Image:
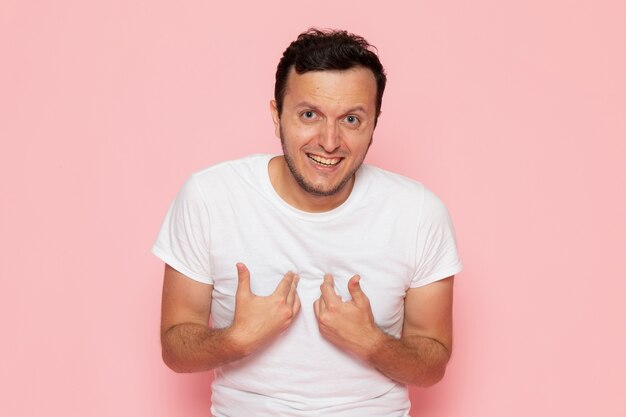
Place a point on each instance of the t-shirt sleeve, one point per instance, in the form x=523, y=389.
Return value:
x=437, y=257
x=183, y=241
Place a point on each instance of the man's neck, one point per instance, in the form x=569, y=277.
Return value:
x=293, y=194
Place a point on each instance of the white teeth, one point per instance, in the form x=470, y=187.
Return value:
x=324, y=161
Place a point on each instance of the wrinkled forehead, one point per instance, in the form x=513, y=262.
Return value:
x=351, y=87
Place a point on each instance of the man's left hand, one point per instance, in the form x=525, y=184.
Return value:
x=350, y=324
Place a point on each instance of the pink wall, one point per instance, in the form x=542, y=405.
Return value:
x=514, y=112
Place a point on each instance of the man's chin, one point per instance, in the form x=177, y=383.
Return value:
x=323, y=190
x=318, y=191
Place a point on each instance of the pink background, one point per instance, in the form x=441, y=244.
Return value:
x=513, y=112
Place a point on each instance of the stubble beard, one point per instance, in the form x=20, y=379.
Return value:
x=310, y=188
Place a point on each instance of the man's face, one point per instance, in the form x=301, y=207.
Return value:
x=326, y=128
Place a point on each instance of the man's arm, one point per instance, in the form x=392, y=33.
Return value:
x=190, y=345
x=419, y=356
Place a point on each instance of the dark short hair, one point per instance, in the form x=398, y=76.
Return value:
x=323, y=50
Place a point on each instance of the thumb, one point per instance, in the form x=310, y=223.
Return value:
x=243, y=279
x=329, y=280
x=354, y=287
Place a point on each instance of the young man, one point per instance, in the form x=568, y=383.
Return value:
x=328, y=282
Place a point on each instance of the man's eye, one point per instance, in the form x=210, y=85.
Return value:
x=352, y=120
x=308, y=115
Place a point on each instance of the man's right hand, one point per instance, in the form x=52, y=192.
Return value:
x=259, y=320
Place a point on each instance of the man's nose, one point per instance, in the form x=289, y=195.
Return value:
x=330, y=138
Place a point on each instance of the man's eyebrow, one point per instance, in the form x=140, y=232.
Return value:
x=307, y=105
x=355, y=109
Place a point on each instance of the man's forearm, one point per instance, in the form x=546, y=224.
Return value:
x=415, y=360
x=190, y=347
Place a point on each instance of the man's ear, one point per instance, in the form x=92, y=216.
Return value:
x=275, y=117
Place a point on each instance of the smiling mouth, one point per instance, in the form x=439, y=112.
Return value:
x=327, y=162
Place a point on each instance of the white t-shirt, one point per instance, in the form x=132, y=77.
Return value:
x=391, y=231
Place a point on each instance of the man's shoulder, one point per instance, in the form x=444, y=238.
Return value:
x=221, y=181
x=388, y=180
x=242, y=165
x=248, y=168
x=393, y=185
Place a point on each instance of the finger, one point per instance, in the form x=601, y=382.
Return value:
x=292, y=295
x=283, y=287
x=296, y=306
x=243, y=279
x=316, y=309
x=329, y=296
x=355, y=290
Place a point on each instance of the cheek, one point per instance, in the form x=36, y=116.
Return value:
x=301, y=135
x=358, y=144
